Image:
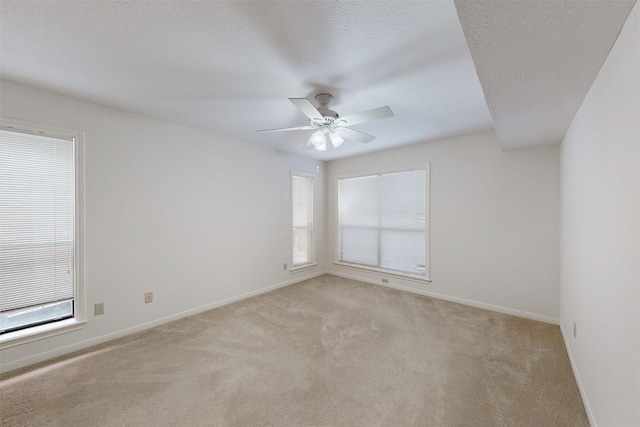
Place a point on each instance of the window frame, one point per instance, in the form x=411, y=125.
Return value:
x=312, y=261
x=378, y=270
x=34, y=333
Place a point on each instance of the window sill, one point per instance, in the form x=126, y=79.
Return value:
x=303, y=267
x=384, y=272
x=36, y=333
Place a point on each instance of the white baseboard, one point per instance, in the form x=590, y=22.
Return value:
x=485, y=306
x=41, y=357
x=576, y=374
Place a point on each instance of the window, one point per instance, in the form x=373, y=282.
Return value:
x=302, y=219
x=382, y=222
x=40, y=268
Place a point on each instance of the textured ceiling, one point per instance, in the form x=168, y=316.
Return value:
x=229, y=67
x=536, y=60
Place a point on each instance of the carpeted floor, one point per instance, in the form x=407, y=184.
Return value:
x=324, y=352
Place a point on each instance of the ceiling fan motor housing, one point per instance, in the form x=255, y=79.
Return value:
x=324, y=99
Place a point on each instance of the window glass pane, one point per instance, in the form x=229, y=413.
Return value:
x=359, y=246
x=403, y=198
x=301, y=241
x=382, y=220
x=357, y=203
x=301, y=201
x=302, y=219
x=37, y=315
x=403, y=251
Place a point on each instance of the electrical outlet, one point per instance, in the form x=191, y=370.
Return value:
x=98, y=309
x=385, y=280
x=575, y=330
x=148, y=297
x=284, y=266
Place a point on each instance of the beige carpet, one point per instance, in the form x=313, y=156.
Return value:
x=324, y=352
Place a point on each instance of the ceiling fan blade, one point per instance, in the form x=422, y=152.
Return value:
x=356, y=135
x=283, y=129
x=365, y=116
x=307, y=108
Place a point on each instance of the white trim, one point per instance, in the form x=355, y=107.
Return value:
x=303, y=267
x=312, y=260
x=118, y=334
x=36, y=333
x=295, y=172
x=576, y=374
x=79, y=317
x=41, y=357
x=80, y=307
x=38, y=128
x=471, y=303
x=418, y=166
x=383, y=271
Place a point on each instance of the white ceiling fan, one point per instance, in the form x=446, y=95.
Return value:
x=327, y=122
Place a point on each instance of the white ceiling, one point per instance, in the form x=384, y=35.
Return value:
x=229, y=66
x=537, y=59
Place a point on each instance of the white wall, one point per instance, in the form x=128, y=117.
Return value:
x=600, y=250
x=494, y=222
x=194, y=217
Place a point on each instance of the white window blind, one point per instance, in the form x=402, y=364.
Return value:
x=382, y=221
x=37, y=228
x=302, y=219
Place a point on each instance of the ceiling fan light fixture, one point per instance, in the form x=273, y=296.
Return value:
x=318, y=138
x=336, y=139
x=322, y=147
